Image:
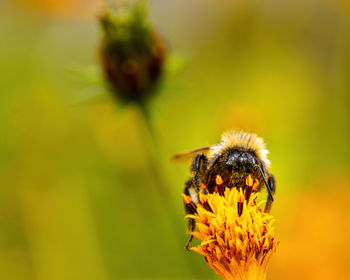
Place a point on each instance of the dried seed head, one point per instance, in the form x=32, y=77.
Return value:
x=132, y=53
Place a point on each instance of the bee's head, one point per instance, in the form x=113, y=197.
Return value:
x=239, y=159
x=247, y=161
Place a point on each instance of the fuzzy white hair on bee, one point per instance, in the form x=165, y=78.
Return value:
x=241, y=140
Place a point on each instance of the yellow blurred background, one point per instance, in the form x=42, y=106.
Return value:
x=77, y=197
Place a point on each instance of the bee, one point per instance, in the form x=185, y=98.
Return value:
x=228, y=163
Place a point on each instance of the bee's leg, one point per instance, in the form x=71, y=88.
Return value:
x=272, y=184
x=191, y=191
x=191, y=228
x=198, y=169
x=192, y=188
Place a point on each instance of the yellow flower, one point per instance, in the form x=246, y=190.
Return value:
x=237, y=237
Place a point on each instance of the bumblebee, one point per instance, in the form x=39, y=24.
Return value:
x=228, y=163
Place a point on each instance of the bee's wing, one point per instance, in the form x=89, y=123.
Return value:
x=183, y=157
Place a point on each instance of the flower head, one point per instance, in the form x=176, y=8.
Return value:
x=132, y=53
x=237, y=237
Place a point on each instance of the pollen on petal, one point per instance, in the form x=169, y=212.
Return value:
x=249, y=181
x=202, y=198
x=256, y=184
x=186, y=198
x=240, y=196
x=219, y=180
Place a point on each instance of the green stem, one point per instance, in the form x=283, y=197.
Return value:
x=148, y=141
x=152, y=155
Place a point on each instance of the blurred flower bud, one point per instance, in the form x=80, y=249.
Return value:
x=132, y=53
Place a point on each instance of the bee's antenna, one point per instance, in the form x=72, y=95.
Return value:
x=267, y=185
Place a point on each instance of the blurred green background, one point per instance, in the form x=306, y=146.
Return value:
x=78, y=199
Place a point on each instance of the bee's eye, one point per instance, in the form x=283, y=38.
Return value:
x=251, y=158
x=232, y=158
